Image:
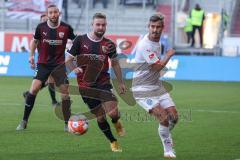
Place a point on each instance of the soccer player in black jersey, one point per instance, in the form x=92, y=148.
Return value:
x=50, y=39
x=92, y=52
x=50, y=81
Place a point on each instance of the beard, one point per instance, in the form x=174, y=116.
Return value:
x=54, y=21
x=156, y=34
x=99, y=34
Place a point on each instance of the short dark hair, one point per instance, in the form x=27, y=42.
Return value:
x=99, y=15
x=156, y=17
x=52, y=5
x=43, y=15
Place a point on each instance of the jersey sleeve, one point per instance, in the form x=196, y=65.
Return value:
x=113, y=51
x=147, y=53
x=37, y=34
x=71, y=34
x=75, y=49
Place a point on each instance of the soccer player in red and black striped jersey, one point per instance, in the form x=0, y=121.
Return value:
x=50, y=39
x=92, y=52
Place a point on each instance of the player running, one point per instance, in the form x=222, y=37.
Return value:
x=50, y=38
x=148, y=90
x=93, y=78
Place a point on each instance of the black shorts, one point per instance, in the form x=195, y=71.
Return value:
x=94, y=96
x=58, y=73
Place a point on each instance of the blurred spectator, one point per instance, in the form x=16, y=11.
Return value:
x=137, y=2
x=104, y=2
x=65, y=7
x=225, y=19
x=188, y=28
x=23, y=49
x=80, y=3
x=197, y=17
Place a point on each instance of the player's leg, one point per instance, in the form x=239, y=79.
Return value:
x=26, y=92
x=166, y=103
x=172, y=116
x=41, y=76
x=110, y=105
x=164, y=131
x=152, y=105
x=66, y=104
x=96, y=108
x=106, y=129
x=51, y=89
x=112, y=110
x=61, y=80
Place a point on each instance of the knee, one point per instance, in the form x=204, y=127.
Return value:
x=65, y=97
x=101, y=118
x=160, y=114
x=114, y=113
x=173, y=117
x=34, y=90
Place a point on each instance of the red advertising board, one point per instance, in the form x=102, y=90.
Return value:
x=16, y=42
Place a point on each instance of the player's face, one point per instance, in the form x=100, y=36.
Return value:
x=44, y=18
x=53, y=14
x=99, y=26
x=155, y=30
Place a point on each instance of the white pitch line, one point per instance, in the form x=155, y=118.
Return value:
x=18, y=104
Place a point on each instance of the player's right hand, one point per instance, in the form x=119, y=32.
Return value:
x=32, y=62
x=170, y=52
x=78, y=70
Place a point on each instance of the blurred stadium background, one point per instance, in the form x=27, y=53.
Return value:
x=206, y=81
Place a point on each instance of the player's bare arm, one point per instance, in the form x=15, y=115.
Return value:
x=71, y=66
x=33, y=46
x=162, y=63
x=117, y=70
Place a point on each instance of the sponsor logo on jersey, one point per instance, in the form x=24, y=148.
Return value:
x=53, y=42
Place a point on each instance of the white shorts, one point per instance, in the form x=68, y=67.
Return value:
x=165, y=101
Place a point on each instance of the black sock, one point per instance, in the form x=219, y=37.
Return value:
x=28, y=106
x=66, y=109
x=114, y=120
x=51, y=89
x=104, y=126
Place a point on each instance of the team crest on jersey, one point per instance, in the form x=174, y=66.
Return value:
x=61, y=34
x=105, y=49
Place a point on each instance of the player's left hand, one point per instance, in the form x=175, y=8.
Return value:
x=32, y=62
x=122, y=88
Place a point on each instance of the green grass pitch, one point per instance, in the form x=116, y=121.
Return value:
x=208, y=128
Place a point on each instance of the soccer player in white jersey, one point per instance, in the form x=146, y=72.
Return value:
x=147, y=87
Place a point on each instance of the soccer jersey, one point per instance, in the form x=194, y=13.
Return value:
x=146, y=82
x=96, y=53
x=52, y=42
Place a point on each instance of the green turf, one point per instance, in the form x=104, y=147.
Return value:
x=208, y=128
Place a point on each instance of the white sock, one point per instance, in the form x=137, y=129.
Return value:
x=166, y=138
